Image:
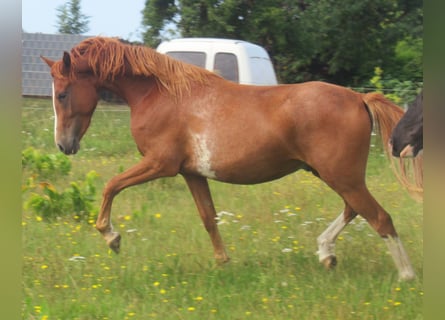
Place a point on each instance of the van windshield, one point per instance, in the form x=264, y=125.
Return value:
x=196, y=58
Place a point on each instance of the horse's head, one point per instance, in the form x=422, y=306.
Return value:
x=75, y=98
x=407, y=136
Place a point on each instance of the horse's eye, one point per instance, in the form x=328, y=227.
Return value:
x=61, y=96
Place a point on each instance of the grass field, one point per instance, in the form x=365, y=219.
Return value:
x=166, y=270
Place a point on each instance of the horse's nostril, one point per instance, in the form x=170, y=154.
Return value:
x=61, y=148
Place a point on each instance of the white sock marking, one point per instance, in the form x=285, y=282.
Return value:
x=400, y=257
x=326, y=241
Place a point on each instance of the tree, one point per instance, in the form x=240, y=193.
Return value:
x=353, y=37
x=335, y=41
x=70, y=18
x=156, y=14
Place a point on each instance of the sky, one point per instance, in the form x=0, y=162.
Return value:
x=113, y=18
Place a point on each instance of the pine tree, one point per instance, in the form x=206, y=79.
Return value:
x=71, y=20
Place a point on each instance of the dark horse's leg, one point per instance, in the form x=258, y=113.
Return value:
x=199, y=188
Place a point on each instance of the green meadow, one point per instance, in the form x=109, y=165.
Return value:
x=165, y=269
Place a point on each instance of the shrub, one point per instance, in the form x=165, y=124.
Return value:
x=45, y=164
x=77, y=200
x=398, y=91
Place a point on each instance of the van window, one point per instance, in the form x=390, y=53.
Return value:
x=197, y=58
x=226, y=65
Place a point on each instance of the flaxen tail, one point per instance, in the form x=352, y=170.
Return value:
x=386, y=115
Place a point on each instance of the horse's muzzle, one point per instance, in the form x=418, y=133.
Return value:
x=70, y=148
x=392, y=149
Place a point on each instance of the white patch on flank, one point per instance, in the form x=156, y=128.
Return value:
x=203, y=156
x=55, y=113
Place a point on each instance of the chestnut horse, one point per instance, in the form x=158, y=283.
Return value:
x=189, y=121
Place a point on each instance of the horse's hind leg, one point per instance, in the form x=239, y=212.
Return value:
x=326, y=241
x=362, y=202
x=199, y=188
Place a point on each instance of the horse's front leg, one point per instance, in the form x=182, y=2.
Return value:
x=199, y=188
x=142, y=172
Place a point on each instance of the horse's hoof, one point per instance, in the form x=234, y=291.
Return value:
x=115, y=243
x=222, y=260
x=407, y=276
x=329, y=262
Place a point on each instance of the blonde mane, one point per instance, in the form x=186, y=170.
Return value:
x=109, y=58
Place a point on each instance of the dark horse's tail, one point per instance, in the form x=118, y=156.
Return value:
x=386, y=115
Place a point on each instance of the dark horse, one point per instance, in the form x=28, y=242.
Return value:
x=188, y=121
x=407, y=136
x=407, y=142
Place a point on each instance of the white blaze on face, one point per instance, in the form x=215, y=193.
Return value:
x=55, y=113
x=203, y=156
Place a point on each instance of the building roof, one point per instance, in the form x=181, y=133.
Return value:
x=36, y=79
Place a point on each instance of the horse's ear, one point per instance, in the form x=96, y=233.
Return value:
x=49, y=62
x=66, y=63
x=66, y=60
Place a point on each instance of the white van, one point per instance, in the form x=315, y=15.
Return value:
x=235, y=60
